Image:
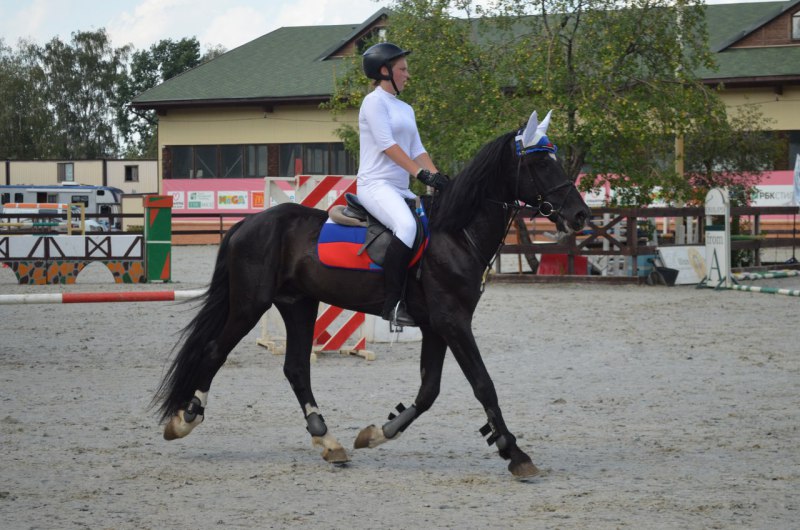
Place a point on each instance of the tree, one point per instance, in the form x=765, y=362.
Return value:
x=138, y=128
x=162, y=61
x=71, y=99
x=25, y=124
x=617, y=74
x=730, y=150
x=82, y=79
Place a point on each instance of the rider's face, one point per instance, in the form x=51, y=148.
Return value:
x=400, y=73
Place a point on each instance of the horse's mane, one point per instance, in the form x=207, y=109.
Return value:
x=455, y=207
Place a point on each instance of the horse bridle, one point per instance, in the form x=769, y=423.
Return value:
x=543, y=206
x=544, y=202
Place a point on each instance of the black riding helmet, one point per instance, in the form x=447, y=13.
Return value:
x=380, y=55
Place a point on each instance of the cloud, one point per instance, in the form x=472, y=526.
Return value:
x=214, y=23
x=152, y=20
x=324, y=12
x=234, y=27
x=143, y=23
x=27, y=22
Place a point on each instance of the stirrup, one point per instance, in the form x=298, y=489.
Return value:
x=399, y=318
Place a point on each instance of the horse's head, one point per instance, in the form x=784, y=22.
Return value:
x=541, y=181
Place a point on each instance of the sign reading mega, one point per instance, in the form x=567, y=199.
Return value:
x=232, y=200
x=215, y=195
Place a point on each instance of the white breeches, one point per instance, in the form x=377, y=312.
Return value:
x=387, y=204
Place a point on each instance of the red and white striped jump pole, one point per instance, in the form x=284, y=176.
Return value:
x=90, y=298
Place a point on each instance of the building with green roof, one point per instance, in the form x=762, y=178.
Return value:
x=255, y=111
x=757, y=52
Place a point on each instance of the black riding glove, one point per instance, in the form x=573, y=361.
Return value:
x=436, y=181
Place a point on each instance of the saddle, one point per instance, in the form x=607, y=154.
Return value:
x=354, y=224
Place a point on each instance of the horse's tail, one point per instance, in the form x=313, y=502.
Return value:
x=180, y=381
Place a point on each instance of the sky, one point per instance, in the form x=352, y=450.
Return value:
x=142, y=23
x=229, y=23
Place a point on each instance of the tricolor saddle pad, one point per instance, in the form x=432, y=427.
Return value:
x=353, y=239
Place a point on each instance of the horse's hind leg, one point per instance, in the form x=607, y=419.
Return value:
x=299, y=317
x=431, y=362
x=241, y=319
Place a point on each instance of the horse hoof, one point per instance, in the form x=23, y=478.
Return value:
x=177, y=427
x=369, y=437
x=524, y=469
x=336, y=456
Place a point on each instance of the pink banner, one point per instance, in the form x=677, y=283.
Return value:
x=216, y=195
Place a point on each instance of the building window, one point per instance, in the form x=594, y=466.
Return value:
x=794, y=148
x=315, y=159
x=78, y=199
x=181, y=163
x=291, y=160
x=796, y=26
x=341, y=161
x=131, y=173
x=205, y=162
x=231, y=166
x=215, y=161
x=66, y=172
x=256, y=161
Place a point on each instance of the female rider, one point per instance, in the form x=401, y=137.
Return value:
x=390, y=151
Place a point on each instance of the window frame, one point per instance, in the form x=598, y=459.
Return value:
x=258, y=158
x=131, y=173
x=65, y=172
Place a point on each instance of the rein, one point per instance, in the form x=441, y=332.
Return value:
x=477, y=251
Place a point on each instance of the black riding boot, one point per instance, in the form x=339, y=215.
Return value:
x=395, y=267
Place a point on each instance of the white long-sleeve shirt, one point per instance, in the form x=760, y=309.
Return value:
x=383, y=121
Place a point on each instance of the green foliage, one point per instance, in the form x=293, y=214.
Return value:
x=25, y=124
x=71, y=99
x=729, y=151
x=617, y=74
x=56, y=99
x=81, y=80
x=163, y=60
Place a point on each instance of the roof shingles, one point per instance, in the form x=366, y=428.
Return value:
x=279, y=65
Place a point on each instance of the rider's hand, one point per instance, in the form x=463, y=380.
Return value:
x=436, y=180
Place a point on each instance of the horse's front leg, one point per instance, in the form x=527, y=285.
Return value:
x=431, y=361
x=466, y=352
x=299, y=318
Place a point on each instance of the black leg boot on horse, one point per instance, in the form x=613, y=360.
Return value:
x=395, y=270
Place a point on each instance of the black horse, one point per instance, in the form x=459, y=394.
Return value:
x=270, y=259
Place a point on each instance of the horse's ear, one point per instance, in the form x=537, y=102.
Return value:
x=545, y=123
x=535, y=131
x=530, y=130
